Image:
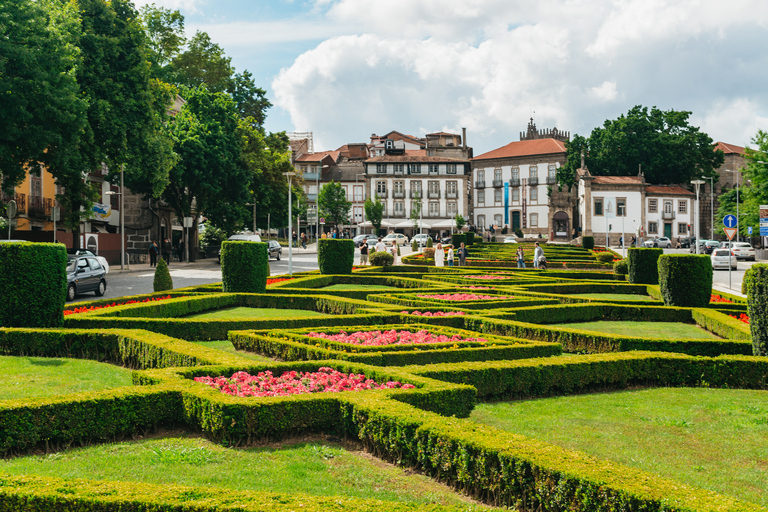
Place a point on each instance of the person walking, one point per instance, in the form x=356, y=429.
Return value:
x=294, y=239
x=520, y=257
x=439, y=255
x=380, y=246
x=450, y=255
x=181, y=249
x=363, y=253
x=167, y=251
x=463, y=253
x=153, y=251
x=303, y=240
x=393, y=251
x=538, y=252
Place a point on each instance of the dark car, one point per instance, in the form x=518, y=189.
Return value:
x=85, y=274
x=711, y=245
x=275, y=251
x=359, y=238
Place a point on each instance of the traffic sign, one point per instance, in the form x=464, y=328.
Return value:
x=322, y=220
x=749, y=230
x=729, y=221
x=730, y=232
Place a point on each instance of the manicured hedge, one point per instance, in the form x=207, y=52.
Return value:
x=588, y=242
x=244, y=266
x=685, y=279
x=162, y=280
x=470, y=238
x=457, y=239
x=756, y=279
x=381, y=259
x=643, y=265
x=33, y=284
x=335, y=256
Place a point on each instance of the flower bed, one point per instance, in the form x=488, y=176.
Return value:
x=94, y=308
x=325, y=380
x=436, y=313
x=464, y=296
x=393, y=337
x=480, y=288
x=488, y=276
x=717, y=298
x=275, y=280
x=743, y=317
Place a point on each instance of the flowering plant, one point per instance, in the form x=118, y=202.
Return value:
x=464, y=296
x=436, y=313
x=393, y=337
x=743, y=317
x=480, y=287
x=94, y=308
x=717, y=298
x=325, y=380
x=488, y=277
x=273, y=280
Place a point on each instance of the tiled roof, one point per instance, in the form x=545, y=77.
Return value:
x=413, y=159
x=617, y=180
x=318, y=157
x=525, y=148
x=668, y=190
x=444, y=133
x=729, y=148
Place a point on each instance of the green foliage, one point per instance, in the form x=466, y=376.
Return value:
x=429, y=242
x=414, y=245
x=460, y=222
x=519, y=233
x=620, y=267
x=685, y=279
x=33, y=284
x=429, y=253
x=605, y=257
x=470, y=238
x=374, y=210
x=212, y=236
x=588, y=242
x=642, y=264
x=333, y=204
x=162, y=280
x=756, y=279
x=244, y=266
x=381, y=259
x=336, y=256
x=457, y=239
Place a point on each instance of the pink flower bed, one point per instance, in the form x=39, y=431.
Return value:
x=480, y=288
x=430, y=313
x=325, y=380
x=393, y=337
x=487, y=277
x=464, y=296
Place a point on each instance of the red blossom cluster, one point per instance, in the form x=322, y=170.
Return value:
x=743, y=317
x=393, y=337
x=487, y=277
x=325, y=380
x=717, y=298
x=436, y=313
x=273, y=280
x=464, y=296
x=94, y=308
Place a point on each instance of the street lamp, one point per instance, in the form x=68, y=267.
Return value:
x=737, y=201
x=121, y=227
x=356, y=175
x=696, y=213
x=290, y=222
x=317, y=200
x=711, y=205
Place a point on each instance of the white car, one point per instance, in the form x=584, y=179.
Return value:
x=743, y=250
x=662, y=242
x=510, y=240
x=723, y=258
x=398, y=238
x=421, y=239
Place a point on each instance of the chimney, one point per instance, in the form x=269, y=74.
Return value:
x=464, y=138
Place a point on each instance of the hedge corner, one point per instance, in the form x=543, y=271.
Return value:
x=335, y=256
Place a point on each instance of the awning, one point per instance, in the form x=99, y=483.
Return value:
x=445, y=223
x=410, y=223
x=384, y=224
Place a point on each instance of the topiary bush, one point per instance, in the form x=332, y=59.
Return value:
x=458, y=239
x=588, y=242
x=335, y=256
x=519, y=233
x=244, y=266
x=643, y=265
x=33, y=284
x=685, y=280
x=429, y=242
x=756, y=283
x=470, y=238
x=428, y=252
x=162, y=279
x=620, y=267
x=381, y=259
x=414, y=245
x=605, y=257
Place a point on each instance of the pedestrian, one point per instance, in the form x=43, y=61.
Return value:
x=450, y=255
x=363, y=253
x=324, y=236
x=632, y=242
x=655, y=241
x=520, y=257
x=294, y=238
x=167, y=250
x=463, y=253
x=393, y=251
x=181, y=249
x=381, y=246
x=153, y=250
x=538, y=252
x=439, y=255
x=304, y=240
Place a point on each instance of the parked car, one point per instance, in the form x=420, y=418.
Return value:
x=421, y=239
x=359, y=238
x=372, y=244
x=244, y=238
x=662, y=242
x=711, y=245
x=743, y=250
x=85, y=274
x=398, y=238
x=700, y=244
x=510, y=240
x=723, y=258
x=86, y=252
x=445, y=240
x=274, y=250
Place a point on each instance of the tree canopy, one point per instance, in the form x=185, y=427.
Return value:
x=660, y=143
x=333, y=204
x=374, y=210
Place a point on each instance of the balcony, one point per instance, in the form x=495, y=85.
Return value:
x=480, y=184
x=451, y=195
x=21, y=202
x=309, y=176
x=398, y=195
x=433, y=215
x=40, y=206
x=514, y=182
x=533, y=181
x=381, y=195
x=433, y=194
x=312, y=198
x=416, y=194
x=668, y=215
x=498, y=183
x=551, y=180
x=398, y=215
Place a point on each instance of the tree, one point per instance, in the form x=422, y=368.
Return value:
x=416, y=210
x=374, y=210
x=460, y=222
x=165, y=38
x=333, y=204
x=661, y=143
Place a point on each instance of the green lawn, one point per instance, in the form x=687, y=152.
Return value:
x=709, y=438
x=613, y=296
x=360, y=287
x=317, y=468
x=258, y=313
x=665, y=330
x=227, y=346
x=35, y=377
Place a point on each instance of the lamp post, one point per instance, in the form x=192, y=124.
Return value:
x=737, y=201
x=356, y=175
x=696, y=213
x=711, y=205
x=121, y=227
x=290, y=176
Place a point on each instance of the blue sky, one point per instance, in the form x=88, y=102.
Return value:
x=345, y=69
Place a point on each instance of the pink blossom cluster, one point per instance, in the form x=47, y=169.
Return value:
x=488, y=276
x=393, y=337
x=464, y=296
x=480, y=288
x=430, y=313
x=325, y=380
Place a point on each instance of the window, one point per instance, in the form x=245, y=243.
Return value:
x=497, y=195
x=313, y=189
x=434, y=187
x=653, y=228
x=481, y=222
x=398, y=187
x=358, y=212
x=381, y=187
x=415, y=187
x=682, y=228
x=515, y=194
x=35, y=185
x=653, y=206
x=381, y=168
x=481, y=175
x=533, y=172
x=682, y=206
x=399, y=208
x=389, y=144
x=599, y=207
x=481, y=197
x=358, y=193
x=534, y=220
x=451, y=189
x=451, y=209
x=414, y=168
x=450, y=169
x=534, y=194
x=346, y=192
x=434, y=209
x=434, y=168
x=497, y=175
x=497, y=220
x=621, y=207
x=515, y=175
x=398, y=168
x=552, y=172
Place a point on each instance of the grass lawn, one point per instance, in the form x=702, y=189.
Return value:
x=258, y=313
x=665, y=330
x=360, y=287
x=613, y=296
x=317, y=468
x=35, y=377
x=228, y=347
x=709, y=438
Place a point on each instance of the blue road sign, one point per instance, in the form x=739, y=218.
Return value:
x=729, y=221
x=749, y=230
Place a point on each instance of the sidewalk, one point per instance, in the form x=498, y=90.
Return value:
x=175, y=265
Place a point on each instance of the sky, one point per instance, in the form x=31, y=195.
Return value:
x=346, y=69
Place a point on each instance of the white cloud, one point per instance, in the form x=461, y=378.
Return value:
x=190, y=6
x=735, y=121
x=605, y=91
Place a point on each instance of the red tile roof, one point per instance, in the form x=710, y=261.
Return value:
x=617, y=180
x=729, y=148
x=668, y=190
x=525, y=148
x=412, y=159
x=318, y=157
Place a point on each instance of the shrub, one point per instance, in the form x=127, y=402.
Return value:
x=162, y=279
x=756, y=282
x=588, y=242
x=335, y=256
x=685, y=279
x=458, y=239
x=643, y=265
x=244, y=266
x=519, y=233
x=414, y=245
x=493, y=238
x=428, y=252
x=620, y=267
x=381, y=259
x=470, y=238
x=605, y=257
x=33, y=284
x=429, y=242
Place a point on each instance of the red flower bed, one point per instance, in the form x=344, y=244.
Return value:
x=743, y=317
x=436, y=313
x=717, y=298
x=94, y=308
x=277, y=280
x=464, y=296
x=325, y=380
x=393, y=337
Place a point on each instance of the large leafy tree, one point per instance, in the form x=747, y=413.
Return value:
x=374, y=210
x=661, y=143
x=165, y=38
x=333, y=204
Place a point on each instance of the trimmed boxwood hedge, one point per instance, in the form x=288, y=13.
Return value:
x=33, y=284
x=244, y=266
x=335, y=256
x=756, y=279
x=642, y=265
x=381, y=259
x=588, y=242
x=470, y=238
x=457, y=239
x=685, y=279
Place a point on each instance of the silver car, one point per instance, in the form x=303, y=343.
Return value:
x=723, y=258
